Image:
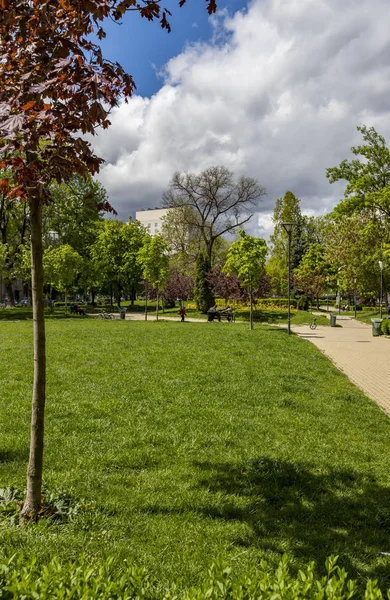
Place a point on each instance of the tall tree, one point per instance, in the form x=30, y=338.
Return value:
x=75, y=209
x=115, y=253
x=216, y=203
x=55, y=84
x=246, y=259
x=203, y=296
x=62, y=265
x=313, y=271
x=154, y=260
x=367, y=179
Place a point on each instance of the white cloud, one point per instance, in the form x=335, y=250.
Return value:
x=276, y=95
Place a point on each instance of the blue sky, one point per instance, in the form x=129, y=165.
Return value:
x=143, y=47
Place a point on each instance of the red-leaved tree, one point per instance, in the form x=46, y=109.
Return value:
x=179, y=286
x=224, y=286
x=55, y=85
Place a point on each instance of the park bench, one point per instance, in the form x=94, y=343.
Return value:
x=221, y=316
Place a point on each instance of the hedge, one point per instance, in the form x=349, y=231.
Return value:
x=20, y=578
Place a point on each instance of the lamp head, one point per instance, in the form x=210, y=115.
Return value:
x=288, y=227
x=380, y=263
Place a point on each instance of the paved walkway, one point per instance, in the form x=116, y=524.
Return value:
x=352, y=348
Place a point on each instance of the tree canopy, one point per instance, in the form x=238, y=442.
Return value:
x=215, y=202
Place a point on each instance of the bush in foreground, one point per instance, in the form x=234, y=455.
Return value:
x=86, y=580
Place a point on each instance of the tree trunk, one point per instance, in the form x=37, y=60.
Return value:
x=10, y=294
x=157, y=307
x=34, y=473
x=250, y=309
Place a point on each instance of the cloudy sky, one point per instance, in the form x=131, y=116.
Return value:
x=273, y=89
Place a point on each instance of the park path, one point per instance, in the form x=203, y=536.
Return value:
x=352, y=348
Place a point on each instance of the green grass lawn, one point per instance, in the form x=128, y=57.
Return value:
x=197, y=443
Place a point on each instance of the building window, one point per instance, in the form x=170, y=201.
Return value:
x=156, y=225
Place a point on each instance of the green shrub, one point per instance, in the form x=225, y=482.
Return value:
x=87, y=580
x=385, y=326
x=303, y=303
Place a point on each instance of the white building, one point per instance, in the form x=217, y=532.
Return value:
x=151, y=219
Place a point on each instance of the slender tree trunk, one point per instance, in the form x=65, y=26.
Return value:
x=157, y=307
x=250, y=309
x=10, y=294
x=34, y=473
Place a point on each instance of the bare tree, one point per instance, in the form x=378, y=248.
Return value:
x=216, y=202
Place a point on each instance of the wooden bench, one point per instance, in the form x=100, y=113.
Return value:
x=224, y=317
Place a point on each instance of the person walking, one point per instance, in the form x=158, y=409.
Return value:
x=182, y=313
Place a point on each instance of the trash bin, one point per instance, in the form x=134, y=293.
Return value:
x=332, y=320
x=122, y=313
x=376, y=327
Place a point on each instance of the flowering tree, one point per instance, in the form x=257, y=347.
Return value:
x=54, y=85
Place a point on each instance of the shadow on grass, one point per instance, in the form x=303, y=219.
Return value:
x=9, y=456
x=310, y=514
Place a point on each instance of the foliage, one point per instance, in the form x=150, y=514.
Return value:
x=224, y=286
x=14, y=233
x=179, y=286
x=306, y=231
x=212, y=203
x=303, y=303
x=354, y=247
x=311, y=276
x=203, y=296
x=246, y=258
x=109, y=580
x=183, y=237
x=75, y=210
x=115, y=256
x=62, y=264
x=153, y=257
x=385, y=326
x=367, y=190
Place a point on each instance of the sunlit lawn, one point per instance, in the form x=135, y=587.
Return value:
x=197, y=442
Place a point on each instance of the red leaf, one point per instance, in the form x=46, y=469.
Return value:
x=28, y=105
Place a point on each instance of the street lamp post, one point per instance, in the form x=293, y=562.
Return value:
x=288, y=227
x=354, y=293
x=380, y=298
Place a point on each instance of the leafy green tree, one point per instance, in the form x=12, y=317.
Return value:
x=246, y=259
x=203, y=296
x=114, y=254
x=154, y=260
x=354, y=245
x=77, y=207
x=306, y=231
x=312, y=275
x=367, y=190
x=62, y=264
